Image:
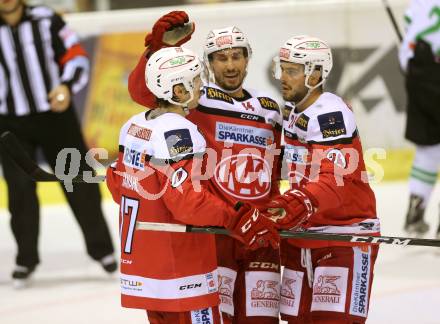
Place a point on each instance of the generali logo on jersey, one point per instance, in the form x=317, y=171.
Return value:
x=290, y=295
x=326, y=289
x=265, y=294
x=244, y=176
x=330, y=289
x=225, y=289
x=287, y=291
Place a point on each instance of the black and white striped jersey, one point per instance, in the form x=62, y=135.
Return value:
x=36, y=55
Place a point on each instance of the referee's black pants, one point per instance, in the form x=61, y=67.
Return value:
x=51, y=132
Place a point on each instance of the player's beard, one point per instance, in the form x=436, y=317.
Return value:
x=230, y=85
x=295, y=96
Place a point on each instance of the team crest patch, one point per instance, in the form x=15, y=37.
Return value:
x=332, y=124
x=226, y=284
x=178, y=177
x=179, y=142
x=268, y=103
x=302, y=122
x=216, y=94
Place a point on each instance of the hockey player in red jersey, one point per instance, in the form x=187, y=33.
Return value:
x=323, y=281
x=243, y=127
x=173, y=275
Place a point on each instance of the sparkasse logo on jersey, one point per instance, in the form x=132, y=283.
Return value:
x=203, y=316
x=246, y=135
x=361, y=281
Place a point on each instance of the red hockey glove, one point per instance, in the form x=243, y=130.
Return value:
x=253, y=228
x=291, y=209
x=171, y=29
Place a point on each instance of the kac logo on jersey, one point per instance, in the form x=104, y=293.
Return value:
x=337, y=157
x=244, y=176
x=134, y=158
x=178, y=177
x=240, y=134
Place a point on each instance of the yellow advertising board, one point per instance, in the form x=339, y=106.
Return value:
x=108, y=104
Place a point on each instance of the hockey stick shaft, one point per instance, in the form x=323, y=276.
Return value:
x=11, y=145
x=392, y=240
x=13, y=148
x=393, y=20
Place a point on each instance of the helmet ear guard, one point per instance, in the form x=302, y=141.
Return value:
x=276, y=68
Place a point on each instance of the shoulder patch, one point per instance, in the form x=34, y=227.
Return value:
x=286, y=112
x=332, y=124
x=178, y=177
x=179, y=142
x=337, y=157
x=268, y=103
x=302, y=122
x=139, y=132
x=216, y=94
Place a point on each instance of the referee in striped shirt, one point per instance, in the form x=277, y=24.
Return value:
x=41, y=65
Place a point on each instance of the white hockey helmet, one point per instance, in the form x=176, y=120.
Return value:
x=171, y=66
x=224, y=38
x=310, y=51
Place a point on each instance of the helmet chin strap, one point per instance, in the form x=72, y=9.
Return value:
x=304, y=98
x=309, y=91
x=184, y=105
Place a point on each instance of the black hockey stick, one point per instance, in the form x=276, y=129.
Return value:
x=393, y=240
x=10, y=145
x=393, y=20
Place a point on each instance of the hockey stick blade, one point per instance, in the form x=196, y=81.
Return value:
x=369, y=239
x=12, y=147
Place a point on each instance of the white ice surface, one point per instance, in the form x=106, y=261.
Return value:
x=69, y=287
